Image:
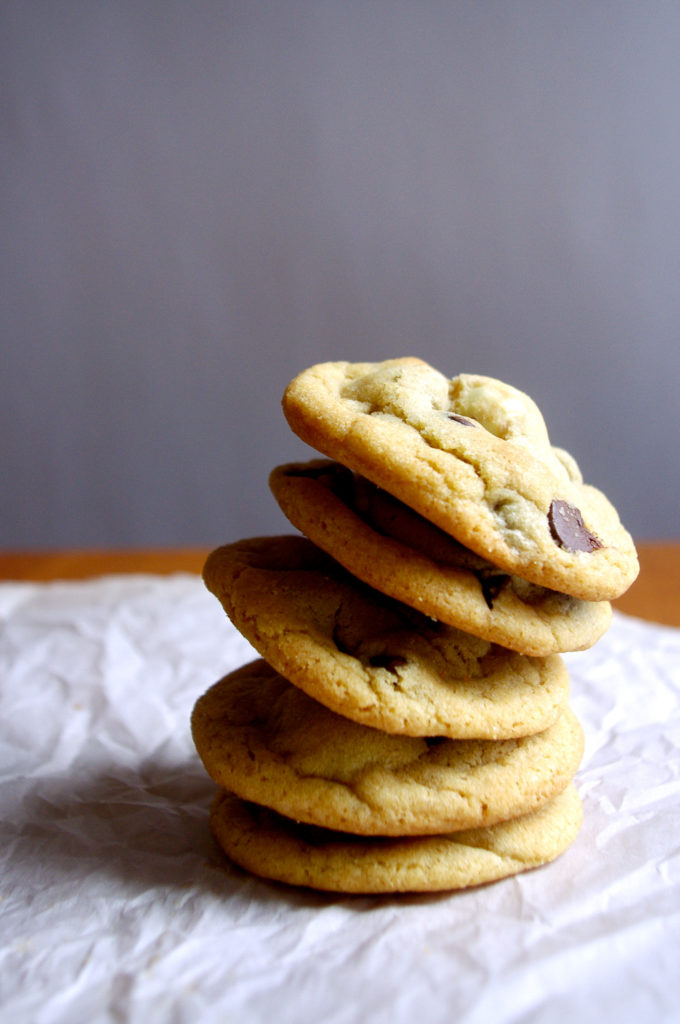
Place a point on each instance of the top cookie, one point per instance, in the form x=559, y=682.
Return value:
x=472, y=455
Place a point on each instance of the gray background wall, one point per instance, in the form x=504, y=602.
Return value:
x=200, y=199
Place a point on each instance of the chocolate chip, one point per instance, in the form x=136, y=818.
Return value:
x=339, y=641
x=461, y=419
x=568, y=529
x=389, y=661
x=492, y=586
x=435, y=741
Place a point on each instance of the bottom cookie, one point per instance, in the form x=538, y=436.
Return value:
x=279, y=849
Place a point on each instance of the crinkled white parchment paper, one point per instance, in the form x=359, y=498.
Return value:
x=116, y=905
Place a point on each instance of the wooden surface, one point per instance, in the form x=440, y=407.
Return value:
x=78, y=565
x=655, y=595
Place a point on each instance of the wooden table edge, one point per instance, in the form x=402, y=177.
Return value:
x=655, y=595
x=46, y=566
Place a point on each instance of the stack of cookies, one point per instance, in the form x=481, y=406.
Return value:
x=407, y=727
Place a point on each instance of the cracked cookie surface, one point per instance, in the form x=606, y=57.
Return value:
x=276, y=848
x=389, y=546
x=373, y=659
x=268, y=742
x=472, y=455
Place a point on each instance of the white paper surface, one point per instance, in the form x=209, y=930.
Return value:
x=115, y=904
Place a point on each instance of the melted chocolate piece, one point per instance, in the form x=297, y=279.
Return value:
x=340, y=643
x=568, y=529
x=461, y=419
x=492, y=586
x=388, y=661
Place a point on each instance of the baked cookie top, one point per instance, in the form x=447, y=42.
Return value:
x=269, y=742
x=278, y=849
x=472, y=455
x=389, y=546
x=374, y=659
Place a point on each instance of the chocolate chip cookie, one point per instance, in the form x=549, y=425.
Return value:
x=279, y=849
x=472, y=455
x=389, y=546
x=373, y=659
x=267, y=741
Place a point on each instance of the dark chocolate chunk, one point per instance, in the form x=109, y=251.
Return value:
x=339, y=641
x=388, y=661
x=568, y=529
x=492, y=586
x=435, y=741
x=462, y=419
